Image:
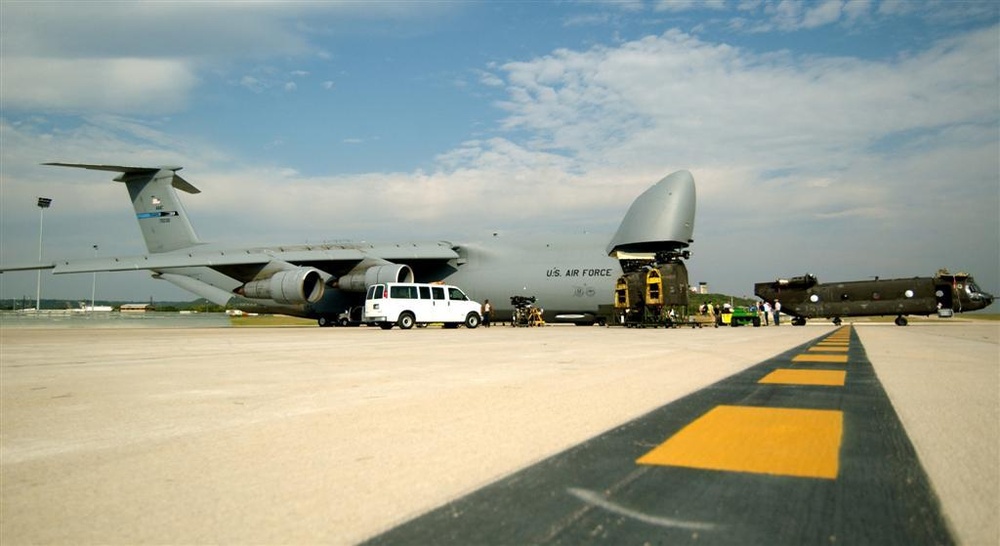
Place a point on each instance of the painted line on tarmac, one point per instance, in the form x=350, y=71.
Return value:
x=789, y=451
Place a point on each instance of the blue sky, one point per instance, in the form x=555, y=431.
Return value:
x=844, y=139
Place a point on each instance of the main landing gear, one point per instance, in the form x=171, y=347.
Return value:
x=901, y=321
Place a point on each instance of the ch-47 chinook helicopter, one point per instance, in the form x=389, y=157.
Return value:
x=944, y=294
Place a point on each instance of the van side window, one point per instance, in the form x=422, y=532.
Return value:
x=403, y=292
x=425, y=292
x=375, y=291
x=437, y=292
x=456, y=295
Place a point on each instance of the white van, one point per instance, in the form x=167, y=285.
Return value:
x=409, y=303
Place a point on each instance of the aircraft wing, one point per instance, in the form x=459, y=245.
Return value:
x=26, y=267
x=333, y=259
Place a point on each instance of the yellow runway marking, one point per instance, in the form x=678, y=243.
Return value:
x=842, y=359
x=780, y=441
x=830, y=378
x=829, y=348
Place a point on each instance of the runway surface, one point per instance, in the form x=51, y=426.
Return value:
x=310, y=435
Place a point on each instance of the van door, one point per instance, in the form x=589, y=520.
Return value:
x=439, y=305
x=458, y=304
x=373, y=300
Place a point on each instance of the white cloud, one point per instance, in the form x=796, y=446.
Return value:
x=120, y=85
x=145, y=56
x=686, y=5
x=825, y=13
x=823, y=145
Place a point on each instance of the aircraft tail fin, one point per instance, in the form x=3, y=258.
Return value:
x=159, y=211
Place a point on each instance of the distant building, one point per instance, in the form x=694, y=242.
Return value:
x=703, y=288
x=137, y=307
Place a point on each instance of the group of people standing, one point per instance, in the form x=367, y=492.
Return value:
x=764, y=308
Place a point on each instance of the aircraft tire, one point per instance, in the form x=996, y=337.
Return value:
x=406, y=320
x=472, y=320
x=901, y=321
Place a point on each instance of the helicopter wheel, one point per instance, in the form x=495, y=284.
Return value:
x=901, y=320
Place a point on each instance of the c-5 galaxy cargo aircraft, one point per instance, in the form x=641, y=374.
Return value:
x=327, y=282
x=805, y=297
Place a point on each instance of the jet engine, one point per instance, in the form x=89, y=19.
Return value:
x=365, y=275
x=293, y=286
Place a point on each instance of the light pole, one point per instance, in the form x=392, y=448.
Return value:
x=93, y=288
x=43, y=203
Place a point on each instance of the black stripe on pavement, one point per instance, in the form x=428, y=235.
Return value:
x=596, y=492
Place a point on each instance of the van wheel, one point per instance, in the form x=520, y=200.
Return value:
x=405, y=321
x=472, y=320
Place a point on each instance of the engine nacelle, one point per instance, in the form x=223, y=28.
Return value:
x=299, y=285
x=359, y=281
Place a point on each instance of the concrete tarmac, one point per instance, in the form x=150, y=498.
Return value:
x=307, y=435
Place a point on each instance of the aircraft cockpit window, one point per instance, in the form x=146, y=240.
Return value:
x=972, y=288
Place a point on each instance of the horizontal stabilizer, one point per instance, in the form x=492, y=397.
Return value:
x=178, y=182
